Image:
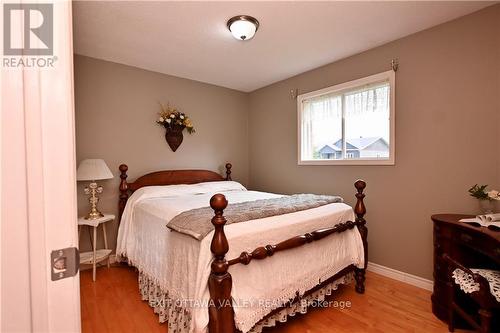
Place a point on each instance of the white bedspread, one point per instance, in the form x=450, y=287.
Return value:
x=181, y=265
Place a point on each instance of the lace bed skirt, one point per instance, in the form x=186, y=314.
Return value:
x=179, y=319
x=301, y=305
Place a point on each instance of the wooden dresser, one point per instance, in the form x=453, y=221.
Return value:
x=474, y=247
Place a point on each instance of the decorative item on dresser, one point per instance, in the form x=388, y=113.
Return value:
x=469, y=246
x=93, y=169
x=220, y=282
x=486, y=199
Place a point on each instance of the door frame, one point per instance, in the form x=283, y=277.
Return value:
x=38, y=179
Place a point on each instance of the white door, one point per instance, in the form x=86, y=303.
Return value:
x=38, y=212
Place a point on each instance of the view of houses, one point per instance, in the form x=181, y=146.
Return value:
x=371, y=147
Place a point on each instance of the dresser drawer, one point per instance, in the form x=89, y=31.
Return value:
x=465, y=237
x=479, y=242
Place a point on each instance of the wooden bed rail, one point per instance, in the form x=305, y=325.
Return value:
x=221, y=313
x=266, y=251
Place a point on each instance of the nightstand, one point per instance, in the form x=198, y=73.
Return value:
x=95, y=256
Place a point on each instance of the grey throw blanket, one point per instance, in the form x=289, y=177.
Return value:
x=197, y=222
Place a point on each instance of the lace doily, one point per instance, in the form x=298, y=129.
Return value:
x=468, y=285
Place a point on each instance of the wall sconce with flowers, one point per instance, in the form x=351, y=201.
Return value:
x=174, y=122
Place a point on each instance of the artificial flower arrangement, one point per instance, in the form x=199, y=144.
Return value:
x=174, y=122
x=479, y=192
x=169, y=118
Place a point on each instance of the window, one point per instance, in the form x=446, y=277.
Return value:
x=351, y=123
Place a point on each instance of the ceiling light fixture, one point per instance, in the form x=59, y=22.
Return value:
x=243, y=27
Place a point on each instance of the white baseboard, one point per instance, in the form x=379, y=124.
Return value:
x=414, y=280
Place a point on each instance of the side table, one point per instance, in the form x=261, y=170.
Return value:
x=95, y=256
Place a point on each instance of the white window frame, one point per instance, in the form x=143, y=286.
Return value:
x=339, y=88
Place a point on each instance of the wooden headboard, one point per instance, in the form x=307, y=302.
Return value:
x=166, y=177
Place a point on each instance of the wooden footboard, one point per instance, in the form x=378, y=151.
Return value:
x=221, y=312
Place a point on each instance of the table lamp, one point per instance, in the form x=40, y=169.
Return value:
x=92, y=170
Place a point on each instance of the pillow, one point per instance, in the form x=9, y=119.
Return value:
x=165, y=191
x=220, y=186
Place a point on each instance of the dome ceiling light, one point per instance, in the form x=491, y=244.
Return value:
x=243, y=27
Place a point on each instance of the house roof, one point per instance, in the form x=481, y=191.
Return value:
x=327, y=149
x=361, y=143
x=356, y=143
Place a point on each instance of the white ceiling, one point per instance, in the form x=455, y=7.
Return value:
x=190, y=39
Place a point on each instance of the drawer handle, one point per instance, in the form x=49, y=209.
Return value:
x=466, y=238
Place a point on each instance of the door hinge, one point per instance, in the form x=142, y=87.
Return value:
x=64, y=263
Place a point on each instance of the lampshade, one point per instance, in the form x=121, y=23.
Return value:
x=243, y=27
x=93, y=169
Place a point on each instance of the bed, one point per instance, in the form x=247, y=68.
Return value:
x=220, y=282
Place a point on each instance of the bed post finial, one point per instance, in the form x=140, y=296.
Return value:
x=122, y=201
x=360, y=211
x=360, y=208
x=221, y=315
x=228, y=171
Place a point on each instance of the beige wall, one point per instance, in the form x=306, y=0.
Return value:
x=116, y=108
x=447, y=122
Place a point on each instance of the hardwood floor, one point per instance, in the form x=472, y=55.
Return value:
x=113, y=304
